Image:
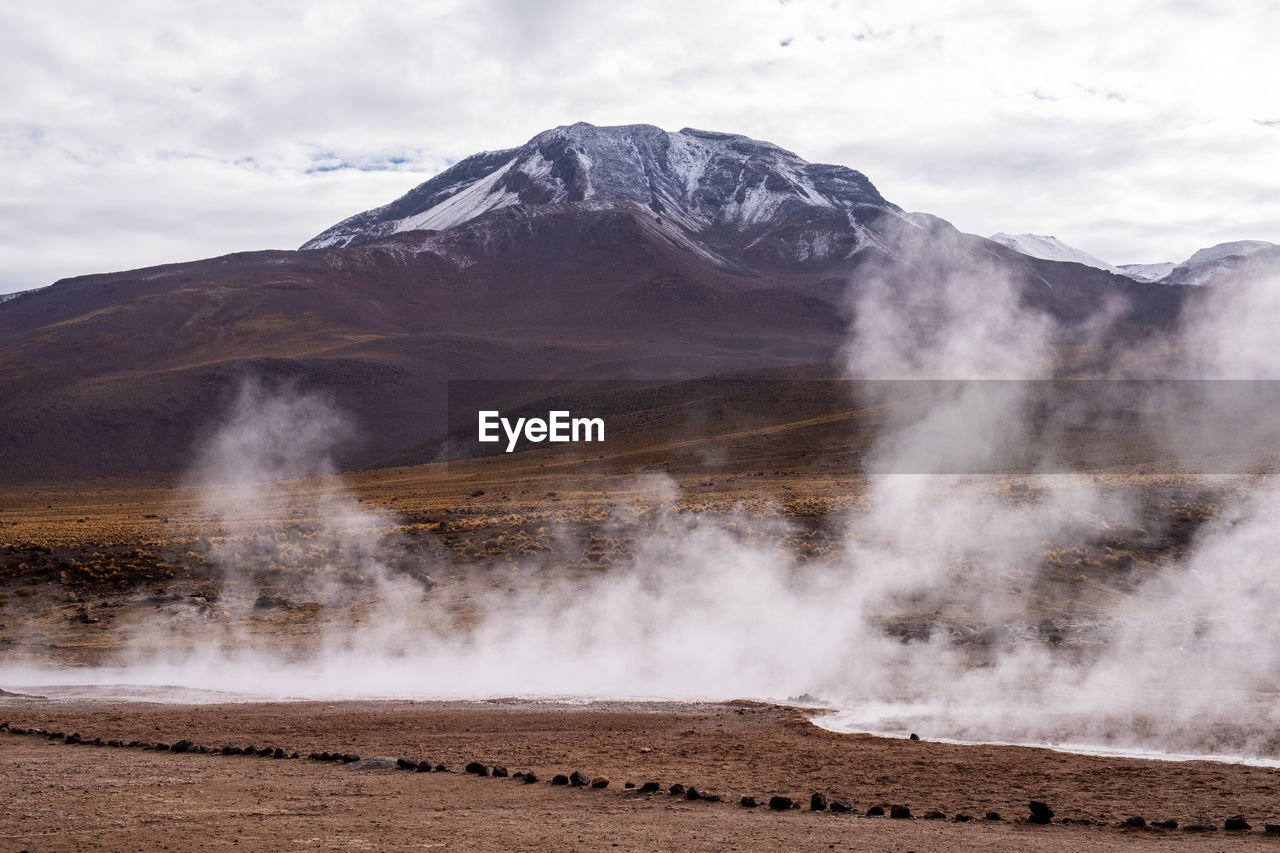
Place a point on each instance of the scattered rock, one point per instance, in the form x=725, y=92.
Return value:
x=423, y=767
x=599, y=782
x=350, y=758
x=477, y=768
x=1166, y=824
x=994, y=816
x=71, y=738
x=440, y=768
x=841, y=807
x=278, y=753
x=934, y=816
x=748, y=802
x=161, y=746
x=711, y=798
x=900, y=812
x=780, y=804
x=693, y=793
x=1199, y=827
x=676, y=789
x=963, y=818
x=818, y=803
x=530, y=778
x=1136, y=821
x=578, y=779
x=875, y=811
x=559, y=779
x=651, y=787
x=1040, y=813
x=500, y=772
x=1236, y=823
x=405, y=764
x=182, y=746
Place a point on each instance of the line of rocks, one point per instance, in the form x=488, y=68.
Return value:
x=1039, y=812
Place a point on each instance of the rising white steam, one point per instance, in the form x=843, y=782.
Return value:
x=931, y=619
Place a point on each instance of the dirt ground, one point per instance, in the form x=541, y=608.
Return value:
x=58, y=796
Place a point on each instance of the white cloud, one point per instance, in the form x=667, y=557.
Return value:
x=142, y=132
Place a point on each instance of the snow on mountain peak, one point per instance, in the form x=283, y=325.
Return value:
x=1051, y=249
x=695, y=180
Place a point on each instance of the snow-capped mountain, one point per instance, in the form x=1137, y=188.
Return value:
x=721, y=192
x=1207, y=264
x=1052, y=249
x=1147, y=272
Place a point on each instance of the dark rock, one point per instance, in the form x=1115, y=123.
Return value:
x=269, y=602
x=900, y=812
x=693, y=793
x=578, y=779
x=500, y=772
x=71, y=738
x=250, y=750
x=780, y=804
x=1136, y=822
x=293, y=755
x=748, y=802
x=477, y=768
x=423, y=767
x=994, y=816
x=278, y=753
x=440, y=768
x=349, y=758
x=1040, y=813
x=628, y=785
x=711, y=798
x=996, y=635
x=530, y=778
x=1166, y=824
x=599, y=782
x=559, y=779
x=1199, y=827
x=914, y=736
x=651, y=787
x=875, y=811
x=116, y=743
x=235, y=750
x=96, y=742
x=677, y=789
x=182, y=746
x=161, y=746
x=1271, y=828
x=266, y=752
x=406, y=764
x=841, y=807
x=934, y=816
x=1236, y=823
x=963, y=818
x=818, y=803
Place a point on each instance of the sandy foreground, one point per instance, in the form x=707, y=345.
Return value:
x=57, y=796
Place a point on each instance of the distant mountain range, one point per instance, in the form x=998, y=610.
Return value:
x=1203, y=268
x=587, y=252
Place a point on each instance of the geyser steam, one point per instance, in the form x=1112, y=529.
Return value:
x=930, y=618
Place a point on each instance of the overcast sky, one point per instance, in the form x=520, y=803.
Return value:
x=136, y=133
